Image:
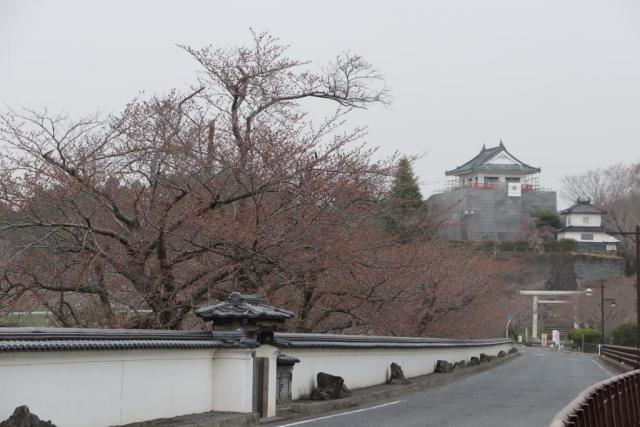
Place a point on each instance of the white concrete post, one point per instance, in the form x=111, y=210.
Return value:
x=534, y=322
x=233, y=380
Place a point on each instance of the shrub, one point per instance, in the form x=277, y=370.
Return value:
x=562, y=245
x=568, y=245
x=545, y=218
x=521, y=246
x=591, y=336
x=624, y=334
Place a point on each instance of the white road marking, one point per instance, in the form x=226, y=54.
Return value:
x=602, y=367
x=342, y=413
x=539, y=354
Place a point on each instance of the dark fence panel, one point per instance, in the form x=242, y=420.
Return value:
x=627, y=355
x=590, y=348
x=612, y=403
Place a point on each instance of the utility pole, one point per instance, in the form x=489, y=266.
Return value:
x=636, y=234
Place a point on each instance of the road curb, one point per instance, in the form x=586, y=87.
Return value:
x=205, y=419
x=300, y=409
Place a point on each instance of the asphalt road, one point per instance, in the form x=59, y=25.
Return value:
x=527, y=391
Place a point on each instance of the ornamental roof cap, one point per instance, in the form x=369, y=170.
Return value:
x=243, y=306
x=286, y=360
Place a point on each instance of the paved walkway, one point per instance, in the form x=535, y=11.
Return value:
x=527, y=391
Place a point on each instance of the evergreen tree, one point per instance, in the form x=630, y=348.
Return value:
x=405, y=194
x=545, y=218
x=405, y=204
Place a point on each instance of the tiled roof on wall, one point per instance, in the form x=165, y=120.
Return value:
x=73, y=339
x=293, y=340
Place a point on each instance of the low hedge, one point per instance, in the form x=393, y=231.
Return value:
x=591, y=336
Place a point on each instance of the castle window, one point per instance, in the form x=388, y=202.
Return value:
x=509, y=179
x=490, y=179
x=585, y=220
x=586, y=236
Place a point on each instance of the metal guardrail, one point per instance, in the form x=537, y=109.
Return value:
x=612, y=403
x=626, y=355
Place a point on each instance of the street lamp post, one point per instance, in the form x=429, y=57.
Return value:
x=636, y=234
x=612, y=303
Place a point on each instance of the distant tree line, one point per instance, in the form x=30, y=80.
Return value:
x=616, y=189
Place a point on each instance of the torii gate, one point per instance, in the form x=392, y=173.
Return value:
x=536, y=301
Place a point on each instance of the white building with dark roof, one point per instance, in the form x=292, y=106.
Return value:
x=583, y=223
x=491, y=197
x=493, y=166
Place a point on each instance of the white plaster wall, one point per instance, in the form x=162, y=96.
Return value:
x=577, y=236
x=233, y=381
x=62, y=388
x=364, y=367
x=103, y=388
x=595, y=220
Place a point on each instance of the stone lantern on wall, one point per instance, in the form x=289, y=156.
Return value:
x=248, y=313
x=284, y=378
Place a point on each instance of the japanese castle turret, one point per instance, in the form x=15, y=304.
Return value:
x=491, y=196
x=583, y=223
x=494, y=166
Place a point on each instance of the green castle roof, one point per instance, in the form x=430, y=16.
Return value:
x=479, y=163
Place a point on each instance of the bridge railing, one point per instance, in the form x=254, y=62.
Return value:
x=627, y=355
x=613, y=402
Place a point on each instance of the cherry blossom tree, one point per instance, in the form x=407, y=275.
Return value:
x=182, y=197
x=136, y=219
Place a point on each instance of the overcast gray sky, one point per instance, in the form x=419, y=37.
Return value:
x=557, y=80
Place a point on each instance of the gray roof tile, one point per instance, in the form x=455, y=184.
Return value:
x=286, y=360
x=67, y=339
x=479, y=163
x=582, y=207
x=300, y=341
x=131, y=344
